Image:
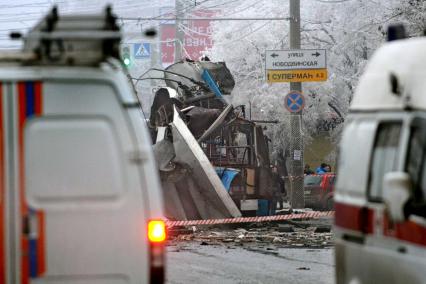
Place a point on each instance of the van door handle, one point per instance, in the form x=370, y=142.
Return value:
x=138, y=156
x=26, y=225
x=402, y=249
x=354, y=239
x=29, y=225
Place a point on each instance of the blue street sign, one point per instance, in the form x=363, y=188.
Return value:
x=141, y=50
x=294, y=101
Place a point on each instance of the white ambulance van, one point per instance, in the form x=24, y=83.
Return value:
x=380, y=198
x=80, y=199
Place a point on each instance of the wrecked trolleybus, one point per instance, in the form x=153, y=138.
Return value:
x=213, y=161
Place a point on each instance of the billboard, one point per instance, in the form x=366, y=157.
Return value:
x=197, y=37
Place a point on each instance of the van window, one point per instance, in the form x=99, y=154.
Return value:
x=415, y=162
x=385, y=156
x=312, y=180
x=355, y=157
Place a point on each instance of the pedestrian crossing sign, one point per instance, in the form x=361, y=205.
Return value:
x=141, y=50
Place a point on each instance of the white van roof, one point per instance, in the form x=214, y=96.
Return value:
x=404, y=60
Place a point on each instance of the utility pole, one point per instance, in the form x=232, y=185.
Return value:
x=155, y=63
x=180, y=36
x=297, y=196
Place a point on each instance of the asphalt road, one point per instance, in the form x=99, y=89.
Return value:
x=191, y=262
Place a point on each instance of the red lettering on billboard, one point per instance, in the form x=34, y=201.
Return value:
x=197, y=37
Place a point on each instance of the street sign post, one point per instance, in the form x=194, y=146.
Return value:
x=294, y=101
x=296, y=65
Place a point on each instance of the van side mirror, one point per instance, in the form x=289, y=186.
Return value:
x=396, y=192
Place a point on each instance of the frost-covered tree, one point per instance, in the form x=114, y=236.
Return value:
x=350, y=31
x=412, y=13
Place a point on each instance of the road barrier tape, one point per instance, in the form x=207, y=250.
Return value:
x=303, y=177
x=305, y=215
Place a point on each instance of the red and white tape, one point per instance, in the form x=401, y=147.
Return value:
x=306, y=215
x=302, y=177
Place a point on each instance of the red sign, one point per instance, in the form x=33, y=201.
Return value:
x=197, y=38
x=168, y=33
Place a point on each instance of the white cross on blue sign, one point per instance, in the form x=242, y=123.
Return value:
x=294, y=101
x=141, y=50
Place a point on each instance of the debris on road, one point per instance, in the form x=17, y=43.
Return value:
x=323, y=229
x=316, y=235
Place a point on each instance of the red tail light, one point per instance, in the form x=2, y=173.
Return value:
x=157, y=236
x=156, y=231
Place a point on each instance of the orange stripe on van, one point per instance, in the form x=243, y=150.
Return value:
x=411, y=232
x=354, y=218
x=25, y=272
x=406, y=231
x=360, y=219
x=2, y=196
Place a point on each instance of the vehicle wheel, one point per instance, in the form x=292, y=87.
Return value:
x=329, y=204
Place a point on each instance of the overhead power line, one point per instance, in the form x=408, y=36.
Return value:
x=244, y=36
x=207, y=19
x=254, y=3
x=174, y=13
x=332, y=1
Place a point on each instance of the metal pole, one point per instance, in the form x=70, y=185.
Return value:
x=297, y=197
x=154, y=64
x=179, y=32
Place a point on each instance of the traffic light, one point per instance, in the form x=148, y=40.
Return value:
x=125, y=56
